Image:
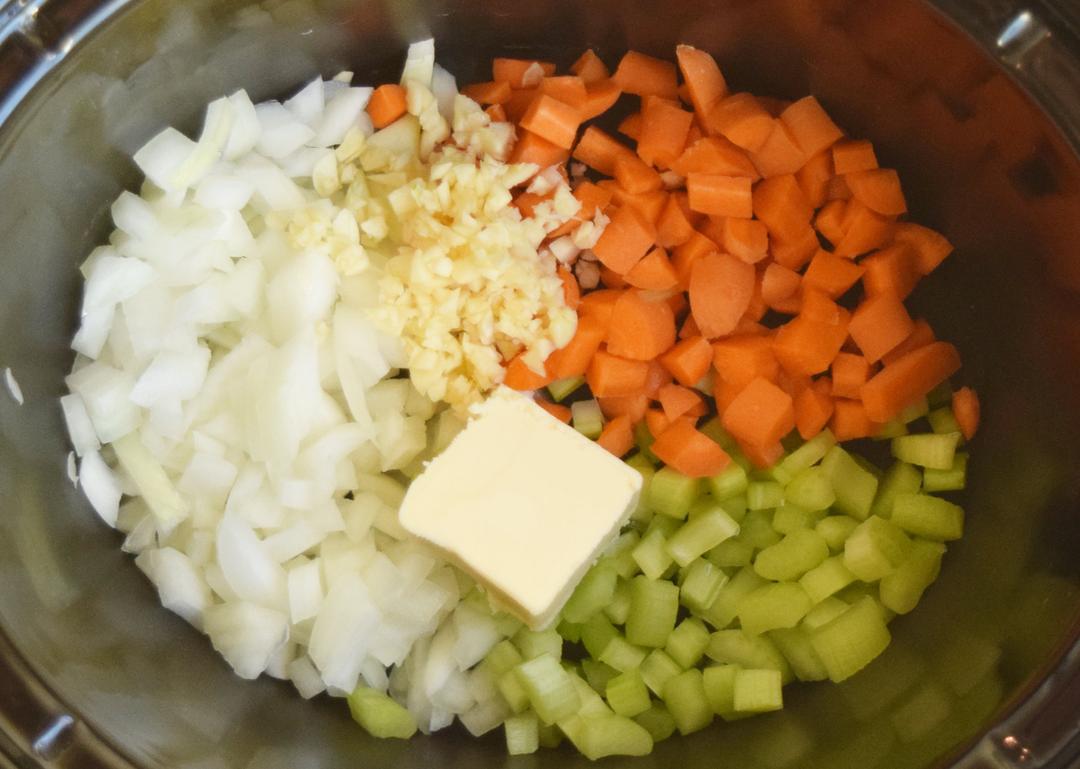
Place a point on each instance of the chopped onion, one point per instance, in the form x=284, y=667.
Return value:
x=100, y=486
x=419, y=62
x=247, y=635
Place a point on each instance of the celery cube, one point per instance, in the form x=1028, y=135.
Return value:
x=612, y=735
x=731, y=553
x=502, y=657
x=687, y=642
x=719, y=683
x=735, y=507
x=593, y=593
x=570, y=631
x=793, y=556
x=730, y=483
x=644, y=440
x=701, y=585
x=776, y=605
x=597, y=674
x=379, y=715
x=621, y=554
x=700, y=534
x=903, y=588
x=899, y=479
x=826, y=611
x=953, y=479
x=891, y=429
x=789, y=517
x=621, y=654
x=657, y=721
x=807, y=455
x=723, y=610
x=657, y=668
x=627, y=694
x=927, y=450
x=826, y=579
x=513, y=691
x=663, y=524
x=875, y=548
x=943, y=420
x=737, y=647
x=685, y=697
x=810, y=489
x=596, y=633
x=928, y=517
x=758, y=691
x=551, y=736
x=522, y=734
x=794, y=644
x=672, y=493
x=836, y=529
x=618, y=608
x=651, y=554
x=916, y=410
x=854, y=485
x=757, y=529
x=654, y=606
x=560, y=389
x=852, y=640
x=550, y=689
x=764, y=495
x=533, y=643
x=587, y=418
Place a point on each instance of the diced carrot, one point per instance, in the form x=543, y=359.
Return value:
x=520, y=377
x=704, y=81
x=574, y=358
x=571, y=289
x=966, y=410
x=712, y=227
x=526, y=202
x=850, y=156
x=910, y=377
x=879, y=324
x=685, y=256
x=819, y=306
x=864, y=230
x=850, y=422
x=920, y=336
x=814, y=178
x=762, y=457
x=387, y=104
x=492, y=92
x=568, y=89
x=849, y=374
x=644, y=75
x=517, y=71
x=617, y=436
x=654, y=272
x=683, y=201
x=590, y=68
x=591, y=197
x=610, y=375
x=657, y=377
x=557, y=410
x=757, y=308
x=741, y=119
x=807, y=346
x=633, y=406
x=599, y=304
x=720, y=195
x=496, y=113
x=625, y=240
x=677, y=301
x=598, y=150
x=879, y=190
x=724, y=393
x=779, y=283
x=837, y=189
x=648, y=205
x=721, y=288
x=892, y=270
x=636, y=176
x=640, y=329
x=630, y=126
x=688, y=360
x=599, y=98
x=519, y=102
x=810, y=126
x=657, y=421
x=794, y=251
x=677, y=400
x=829, y=221
x=773, y=105
x=930, y=247
x=781, y=204
x=663, y=132
x=689, y=451
x=689, y=328
x=813, y=409
x=530, y=148
x=747, y=239
x=761, y=414
x=779, y=154
x=744, y=358
x=684, y=94
x=673, y=228
x=832, y=274
x=552, y=119
x=611, y=279
x=714, y=155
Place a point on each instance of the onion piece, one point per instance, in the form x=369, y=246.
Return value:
x=100, y=486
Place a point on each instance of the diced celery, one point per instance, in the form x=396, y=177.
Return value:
x=723, y=610
x=810, y=489
x=916, y=410
x=550, y=689
x=891, y=429
x=737, y=647
x=379, y=715
x=672, y=493
x=700, y=534
x=902, y=590
x=794, y=644
x=793, y=556
x=657, y=668
x=561, y=388
x=622, y=655
x=687, y=642
x=644, y=440
x=643, y=513
x=684, y=696
x=776, y=605
x=731, y=553
x=657, y=721
x=593, y=593
x=757, y=529
x=701, y=585
x=729, y=483
x=522, y=734
x=587, y=418
x=758, y=691
x=534, y=643
x=703, y=504
x=809, y=454
x=852, y=640
x=619, y=607
x=826, y=579
x=928, y=517
x=735, y=507
x=513, y=691
x=940, y=395
x=927, y=450
x=853, y=484
x=621, y=554
x=942, y=420
x=596, y=633
x=875, y=548
x=900, y=478
x=790, y=517
x=719, y=683
x=826, y=611
x=570, y=631
x=836, y=529
x=502, y=657
x=651, y=555
x=715, y=430
x=764, y=495
x=592, y=703
x=664, y=524
x=612, y=735
x=654, y=606
x=953, y=479
x=597, y=674
x=627, y=694
x=551, y=736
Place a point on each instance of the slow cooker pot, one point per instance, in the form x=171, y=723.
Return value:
x=976, y=102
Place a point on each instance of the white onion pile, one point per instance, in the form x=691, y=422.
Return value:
x=238, y=416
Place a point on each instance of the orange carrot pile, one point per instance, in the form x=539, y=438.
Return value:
x=755, y=261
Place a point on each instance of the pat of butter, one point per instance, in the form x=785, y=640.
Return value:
x=523, y=503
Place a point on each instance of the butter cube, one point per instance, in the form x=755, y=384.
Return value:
x=523, y=503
